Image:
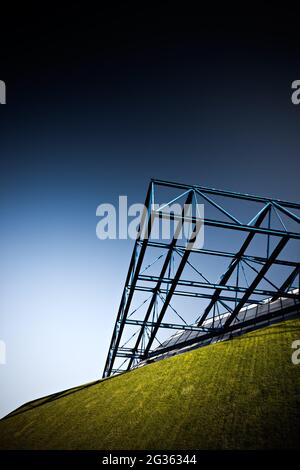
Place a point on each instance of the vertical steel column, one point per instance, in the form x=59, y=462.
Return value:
x=133, y=273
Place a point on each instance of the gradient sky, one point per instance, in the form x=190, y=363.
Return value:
x=97, y=104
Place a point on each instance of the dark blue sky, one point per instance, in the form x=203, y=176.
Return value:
x=97, y=104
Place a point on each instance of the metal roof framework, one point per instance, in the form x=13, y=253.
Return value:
x=170, y=280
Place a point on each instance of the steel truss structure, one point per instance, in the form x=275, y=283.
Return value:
x=250, y=278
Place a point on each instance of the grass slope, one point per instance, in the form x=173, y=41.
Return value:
x=243, y=393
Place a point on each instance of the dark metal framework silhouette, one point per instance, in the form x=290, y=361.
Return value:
x=275, y=223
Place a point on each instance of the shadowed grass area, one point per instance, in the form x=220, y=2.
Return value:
x=243, y=393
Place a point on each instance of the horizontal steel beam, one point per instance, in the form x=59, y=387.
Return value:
x=171, y=326
x=128, y=355
x=209, y=285
x=118, y=371
x=199, y=295
x=224, y=254
x=124, y=349
x=219, y=192
x=228, y=225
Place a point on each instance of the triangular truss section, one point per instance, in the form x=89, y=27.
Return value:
x=244, y=273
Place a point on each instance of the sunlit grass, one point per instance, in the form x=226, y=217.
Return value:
x=243, y=393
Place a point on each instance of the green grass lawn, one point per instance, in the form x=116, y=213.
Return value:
x=243, y=393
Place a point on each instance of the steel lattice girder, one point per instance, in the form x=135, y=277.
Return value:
x=164, y=286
